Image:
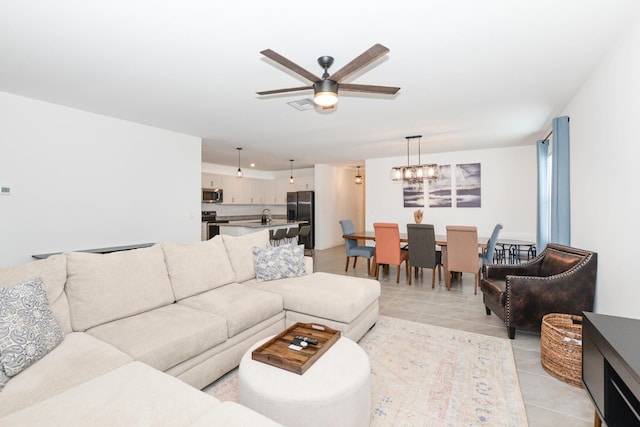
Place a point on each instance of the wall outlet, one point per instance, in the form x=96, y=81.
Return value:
x=5, y=190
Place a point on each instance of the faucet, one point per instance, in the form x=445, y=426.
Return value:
x=266, y=216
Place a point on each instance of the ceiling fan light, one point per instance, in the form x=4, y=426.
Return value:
x=325, y=99
x=326, y=93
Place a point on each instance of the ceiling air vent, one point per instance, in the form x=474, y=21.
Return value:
x=302, y=104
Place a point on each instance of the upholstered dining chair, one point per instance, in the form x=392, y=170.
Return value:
x=488, y=256
x=292, y=233
x=422, y=251
x=303, y=237
x=353, y=250
x=388, y=251
x=462, y=253
x=277, y=236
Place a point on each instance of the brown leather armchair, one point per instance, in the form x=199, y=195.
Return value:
x=561, y=279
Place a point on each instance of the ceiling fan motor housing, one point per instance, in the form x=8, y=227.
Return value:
x=325, y=62
x=326, y=85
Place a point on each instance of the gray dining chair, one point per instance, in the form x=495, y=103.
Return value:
x=422, y=251
x=277, y=236
x=353, y=250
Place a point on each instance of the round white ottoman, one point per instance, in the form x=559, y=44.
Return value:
x=335, y=391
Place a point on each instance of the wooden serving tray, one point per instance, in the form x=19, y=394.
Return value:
x=276, y=351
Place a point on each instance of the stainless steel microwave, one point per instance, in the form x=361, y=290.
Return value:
x=212, y=195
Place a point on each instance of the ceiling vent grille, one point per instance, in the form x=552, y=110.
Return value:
x=302, y=104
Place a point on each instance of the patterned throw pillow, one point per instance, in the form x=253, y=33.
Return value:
x=3, y=378
x=28, y=329
x=279, y=262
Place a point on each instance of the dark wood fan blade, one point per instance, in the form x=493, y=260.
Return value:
x=291, y=89
x=366, y=58
x=386, y=90
x=290, y=65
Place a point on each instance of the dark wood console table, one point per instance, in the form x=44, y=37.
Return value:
x=100, y=250
x=611, y=368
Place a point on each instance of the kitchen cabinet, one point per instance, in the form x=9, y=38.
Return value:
x=276, y=191
x=211, y=180
x=304, y=183
x=236, y=190
x=244, y=191
x=257, y=191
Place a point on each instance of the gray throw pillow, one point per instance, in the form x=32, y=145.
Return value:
x=28, y=328
x=279, y=262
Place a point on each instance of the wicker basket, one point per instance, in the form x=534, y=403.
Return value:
x=561, y=347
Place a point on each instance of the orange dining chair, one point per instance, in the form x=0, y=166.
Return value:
x=388, y=251
x=462, y=253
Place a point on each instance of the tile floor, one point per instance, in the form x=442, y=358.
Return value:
x=548, y=401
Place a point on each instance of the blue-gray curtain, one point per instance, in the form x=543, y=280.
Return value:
x=554, y=226
x=542, y=236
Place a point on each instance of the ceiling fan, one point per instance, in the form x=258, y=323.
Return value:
x=326, y=88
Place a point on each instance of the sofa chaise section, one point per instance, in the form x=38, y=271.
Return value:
x=348, y=304
x=132, y=395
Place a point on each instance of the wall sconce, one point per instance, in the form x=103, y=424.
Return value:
x=239, y=172
x=359, y=179
x=291, y=176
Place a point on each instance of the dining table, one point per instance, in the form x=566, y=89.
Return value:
x=441, y=240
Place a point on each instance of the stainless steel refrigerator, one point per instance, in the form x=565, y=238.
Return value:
x=300, y=207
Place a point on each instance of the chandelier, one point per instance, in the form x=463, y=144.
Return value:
x=414, y=173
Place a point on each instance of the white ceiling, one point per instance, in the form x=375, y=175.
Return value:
x=473, y=74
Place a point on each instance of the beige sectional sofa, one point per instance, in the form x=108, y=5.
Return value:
x=137, y=322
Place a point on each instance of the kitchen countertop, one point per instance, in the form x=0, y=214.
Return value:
x=258, y=224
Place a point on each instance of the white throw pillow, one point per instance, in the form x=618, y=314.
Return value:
x=28, y=328
x=279, y=262
x=240, y=251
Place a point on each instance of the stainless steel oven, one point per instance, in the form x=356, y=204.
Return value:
x=212, y=224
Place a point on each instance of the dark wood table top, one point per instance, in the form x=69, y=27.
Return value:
x=441, y=239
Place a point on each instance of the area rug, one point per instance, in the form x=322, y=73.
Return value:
x=424, y=375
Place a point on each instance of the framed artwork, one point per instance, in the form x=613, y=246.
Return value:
x=440, y=188
x=468, y=185
x=413, y=194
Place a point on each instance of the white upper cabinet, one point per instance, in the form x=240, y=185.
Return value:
x=251, y=191
x=211, y=180
x=244, y=191
x=304, y=183
x=258, y=192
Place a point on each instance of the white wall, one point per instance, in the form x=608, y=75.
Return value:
x=605, y=150
x=81, y=180
x=337, y=197
x=508, y=193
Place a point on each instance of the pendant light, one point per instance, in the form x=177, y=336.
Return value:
x=359, y=179
x=291, y=176
x=239, y=173
x=414, y=173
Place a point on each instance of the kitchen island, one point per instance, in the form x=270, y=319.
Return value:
x=241, y=228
